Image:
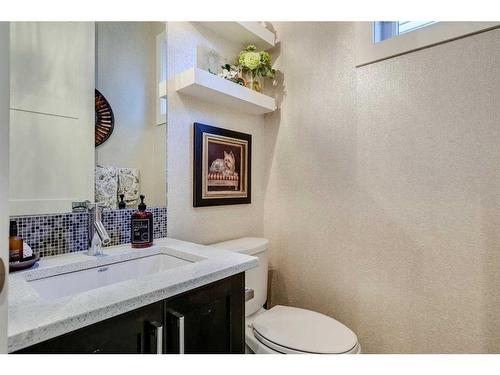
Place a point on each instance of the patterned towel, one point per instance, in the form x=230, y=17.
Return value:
x=128, y=184
x=106, y=186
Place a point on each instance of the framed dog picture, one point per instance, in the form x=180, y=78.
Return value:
x=222, y=171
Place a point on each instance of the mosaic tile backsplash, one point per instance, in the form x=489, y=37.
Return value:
x=117, y=223
x=65, y=233
x=54, y=234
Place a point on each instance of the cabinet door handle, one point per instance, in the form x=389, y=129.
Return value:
x=159, y=336
x=180, y=324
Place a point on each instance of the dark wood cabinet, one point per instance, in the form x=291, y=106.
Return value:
x=209, y=319
x=130, y=333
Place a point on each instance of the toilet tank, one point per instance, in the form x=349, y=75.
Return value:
x=256, y=278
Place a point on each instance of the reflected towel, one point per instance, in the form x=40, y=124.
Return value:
x=128, y=185
x=106, y=186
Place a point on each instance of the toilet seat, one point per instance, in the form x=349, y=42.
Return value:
x=278, y=349
x=292, y=330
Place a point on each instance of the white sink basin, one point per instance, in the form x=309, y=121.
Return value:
x=67, y=284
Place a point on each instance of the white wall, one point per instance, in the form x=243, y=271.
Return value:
x=207, y=224
x=383, y=191
x=126, y=76
x=4, y=171
x=52, y=116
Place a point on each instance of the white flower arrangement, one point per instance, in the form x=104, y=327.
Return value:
x=229, y=72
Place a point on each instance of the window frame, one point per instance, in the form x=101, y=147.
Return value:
x=412, y=28
x=161, y=75
x=367, y=51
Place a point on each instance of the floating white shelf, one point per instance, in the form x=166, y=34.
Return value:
x=244, y=33
x=209, y=87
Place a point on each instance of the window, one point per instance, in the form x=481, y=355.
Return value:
x=383, y=30
x=382, y=40
x=407, y=26
x=161, y=76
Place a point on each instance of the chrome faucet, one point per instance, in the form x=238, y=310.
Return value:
x=98, y=235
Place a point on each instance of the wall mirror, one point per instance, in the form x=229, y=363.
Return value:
x=55, y=69
x=132, y=160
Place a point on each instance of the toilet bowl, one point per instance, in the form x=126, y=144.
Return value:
x=285, y=329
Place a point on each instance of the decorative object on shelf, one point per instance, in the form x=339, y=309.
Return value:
x=214, y=61
x=209, y=59
x=233, y=74
x=255, y=65
x=222, y=166
x=104, y=119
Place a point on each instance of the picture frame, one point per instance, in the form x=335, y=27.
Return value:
x=222, y=166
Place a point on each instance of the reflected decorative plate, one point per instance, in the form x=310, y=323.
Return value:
x=104, y=119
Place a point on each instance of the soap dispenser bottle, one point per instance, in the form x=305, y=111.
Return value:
x=122, y=205
x=142, y=227
x=15, y=243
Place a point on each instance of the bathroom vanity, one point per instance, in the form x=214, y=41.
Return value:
x=176, y=297
x=173, y=297
x=206, y=320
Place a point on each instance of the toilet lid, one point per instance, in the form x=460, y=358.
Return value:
x=302, y=330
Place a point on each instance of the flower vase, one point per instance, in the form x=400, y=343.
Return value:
x=253, y=82
x=257, y=84
x=249, y=80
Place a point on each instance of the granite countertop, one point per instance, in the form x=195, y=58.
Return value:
x=33, y=319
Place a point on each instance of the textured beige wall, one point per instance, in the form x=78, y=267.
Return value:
x=383, y=189
x=206, y=224
x=126, y=76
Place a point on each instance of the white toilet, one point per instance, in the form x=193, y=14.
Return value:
x=284, y=329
